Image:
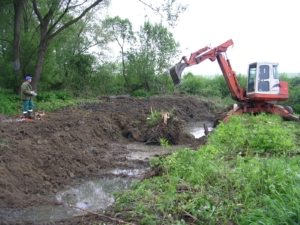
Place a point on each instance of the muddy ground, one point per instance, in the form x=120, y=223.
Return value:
x=41, y=157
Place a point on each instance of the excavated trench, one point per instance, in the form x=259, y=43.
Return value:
x=70, y=162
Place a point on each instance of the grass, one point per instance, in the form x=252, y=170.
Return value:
x=47, y=101
x=10, y=102
x=248, y=173
x=154, y=118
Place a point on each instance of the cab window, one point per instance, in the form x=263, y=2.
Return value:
x=275, y=72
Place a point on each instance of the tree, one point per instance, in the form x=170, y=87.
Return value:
x=150, y=58
x=63, y=69
x=18, y=11
x=52, y=21
x=119, y=30
x=6, y=43
x=169, y=10
x=26, y=22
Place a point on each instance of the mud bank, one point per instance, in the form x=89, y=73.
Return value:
x=43, y=157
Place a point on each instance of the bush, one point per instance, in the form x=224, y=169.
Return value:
x=10, y=102
x=140, y=93
x=204, y=86
x=54, y=95
x=261, y=134
x=214, y=186
x=154, y=118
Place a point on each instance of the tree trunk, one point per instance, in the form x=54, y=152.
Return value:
x=39, y=64
x=18, y=11
x=44, y=40
x=124, y=69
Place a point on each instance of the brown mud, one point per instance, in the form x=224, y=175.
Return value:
x=43, y=156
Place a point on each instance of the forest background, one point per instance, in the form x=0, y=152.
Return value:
x=54, y=41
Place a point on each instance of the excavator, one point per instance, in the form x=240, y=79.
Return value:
x=264, y=88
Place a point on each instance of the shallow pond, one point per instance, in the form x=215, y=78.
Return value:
x=95, y=195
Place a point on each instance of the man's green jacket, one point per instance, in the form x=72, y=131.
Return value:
x=26, y=90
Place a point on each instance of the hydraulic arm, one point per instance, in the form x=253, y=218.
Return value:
x=237, y=92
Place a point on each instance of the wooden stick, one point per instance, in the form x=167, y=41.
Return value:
x=101, y=215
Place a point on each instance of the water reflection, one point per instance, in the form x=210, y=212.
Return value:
x=94, y=195
x=197, y=129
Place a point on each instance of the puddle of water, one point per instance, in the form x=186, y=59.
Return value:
x=139, y=151
x=93, y=195
x=135, y=173
x=35, y=214
x=197, y=129
x=90, y=196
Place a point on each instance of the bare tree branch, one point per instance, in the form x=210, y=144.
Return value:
x=36, y=11
x=60, y=17
x=75, y=6
x=69, y=23
x=156, y=10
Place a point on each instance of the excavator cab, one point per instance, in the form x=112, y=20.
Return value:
x=264, y=84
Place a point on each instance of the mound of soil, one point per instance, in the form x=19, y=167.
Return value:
x=41, y=157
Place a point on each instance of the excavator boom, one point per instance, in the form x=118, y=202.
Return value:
x=237, y=92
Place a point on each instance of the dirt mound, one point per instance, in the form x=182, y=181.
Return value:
x=40, y=157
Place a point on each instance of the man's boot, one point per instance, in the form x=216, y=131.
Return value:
x=25, y=115
x=29, y=115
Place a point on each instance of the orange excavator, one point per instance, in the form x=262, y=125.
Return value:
x=263, y=89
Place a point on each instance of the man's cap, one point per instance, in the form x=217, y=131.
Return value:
x=28, y=77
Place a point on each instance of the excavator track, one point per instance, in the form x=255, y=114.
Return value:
x=265, y=107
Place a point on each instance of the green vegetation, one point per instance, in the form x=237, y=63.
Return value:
x=60, y=55
x=10, y=103
x=263, y=135
x=164, y=142
x=105, y=83
x=50, y=101
x=47, y=101
x=204, y=86
x=154, y=118
x=248, y=173
x=294, y=92
x=56, y=44
x=216, y=87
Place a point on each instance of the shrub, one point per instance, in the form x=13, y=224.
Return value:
x=216, y=185
x=10, y=102
x=154, y=118
x=261, y=134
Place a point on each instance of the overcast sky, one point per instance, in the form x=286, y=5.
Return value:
x=262, y=30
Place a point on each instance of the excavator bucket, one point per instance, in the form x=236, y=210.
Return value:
x=176, y=72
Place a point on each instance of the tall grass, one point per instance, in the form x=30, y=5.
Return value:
x=11, y=103
x=257, y=182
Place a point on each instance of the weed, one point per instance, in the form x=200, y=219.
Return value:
x=262, y=134
x=244, y=175
x=3, y=143
x=164, y=142
x=154, y=118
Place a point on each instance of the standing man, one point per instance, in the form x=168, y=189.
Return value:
x=26, y=95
